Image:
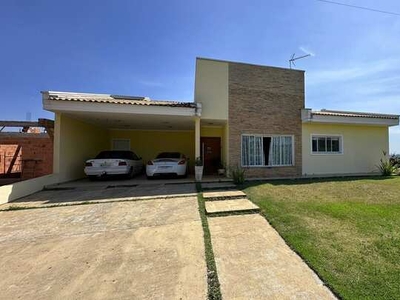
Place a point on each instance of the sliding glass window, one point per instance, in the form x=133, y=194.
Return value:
x=258, y=150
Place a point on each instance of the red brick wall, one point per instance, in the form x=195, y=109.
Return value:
x=36, y=153
x=7, y=153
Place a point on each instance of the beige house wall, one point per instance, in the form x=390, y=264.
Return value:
x=75, y=142
x=148, y=143
x=362, y=149
x=24, y=188
x=211, y=88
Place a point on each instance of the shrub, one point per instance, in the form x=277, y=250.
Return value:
x=386, y=166
x=238, y=175
x=395, y=160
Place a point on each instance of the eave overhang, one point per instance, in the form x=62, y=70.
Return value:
x=101, y=103
x=348, y=118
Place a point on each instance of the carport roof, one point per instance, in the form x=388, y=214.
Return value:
x=112, y=99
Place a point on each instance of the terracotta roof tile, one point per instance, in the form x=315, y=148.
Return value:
x=354, y=114
x=116, y=99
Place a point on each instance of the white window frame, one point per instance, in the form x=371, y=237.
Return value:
x=317, y=135
x=125, y=140
x=262, y=146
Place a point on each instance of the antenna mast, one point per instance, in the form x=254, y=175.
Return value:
x=292, y=60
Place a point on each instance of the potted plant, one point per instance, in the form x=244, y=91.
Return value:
x=221, y=169
x=198, y=168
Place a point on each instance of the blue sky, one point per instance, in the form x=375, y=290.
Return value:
x=149, y=47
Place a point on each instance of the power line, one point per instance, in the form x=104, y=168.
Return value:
x=361, y=7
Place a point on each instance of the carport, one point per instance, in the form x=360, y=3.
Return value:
x=88, y=123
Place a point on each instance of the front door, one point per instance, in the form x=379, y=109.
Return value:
x=211, y=154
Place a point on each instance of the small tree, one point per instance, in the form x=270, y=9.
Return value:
x=395, y=159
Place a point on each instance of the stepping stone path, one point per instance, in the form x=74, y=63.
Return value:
x=223, y=195
x=253, y=261
x=236, y=205
x=233, y=201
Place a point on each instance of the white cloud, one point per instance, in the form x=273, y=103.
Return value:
x=307, y=50
x=388, y=104
x=351, y=73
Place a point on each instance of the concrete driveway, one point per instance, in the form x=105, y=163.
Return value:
x=150, y=249
x=85, y=191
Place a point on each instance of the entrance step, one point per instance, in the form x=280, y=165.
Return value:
x=223, y=195
x=218, y=185
x=231, y=206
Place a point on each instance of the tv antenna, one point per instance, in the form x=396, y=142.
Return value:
x=293, y=59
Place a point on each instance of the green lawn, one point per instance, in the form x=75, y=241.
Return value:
x=348, y=230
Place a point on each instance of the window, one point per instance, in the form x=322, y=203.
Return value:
x=262, y=151
x=170, y=155
x=117, y=154
x=326, y=144
x=121, y=144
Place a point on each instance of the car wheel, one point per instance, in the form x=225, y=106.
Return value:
x=149, y=177
x=92, y=177
x=130, y=174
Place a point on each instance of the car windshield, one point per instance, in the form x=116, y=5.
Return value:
x=115, y=154
x=169, y=155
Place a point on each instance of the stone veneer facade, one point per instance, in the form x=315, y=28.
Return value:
x=265, y=100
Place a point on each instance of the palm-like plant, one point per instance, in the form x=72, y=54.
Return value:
x=386, y=166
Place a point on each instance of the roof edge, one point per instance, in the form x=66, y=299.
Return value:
x=356, y=112
x=47, y=94
x=248, y=64
x=345, y=117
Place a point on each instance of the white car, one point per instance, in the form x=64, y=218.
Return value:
x=167, y=163
x=114, y=163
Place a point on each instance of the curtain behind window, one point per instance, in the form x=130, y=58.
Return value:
x=280, y=151
x=287, y=150
x=252, y=150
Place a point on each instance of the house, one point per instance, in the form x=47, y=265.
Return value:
x=243, y=115
x=25, y=153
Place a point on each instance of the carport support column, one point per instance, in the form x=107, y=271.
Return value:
x=197, y=137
